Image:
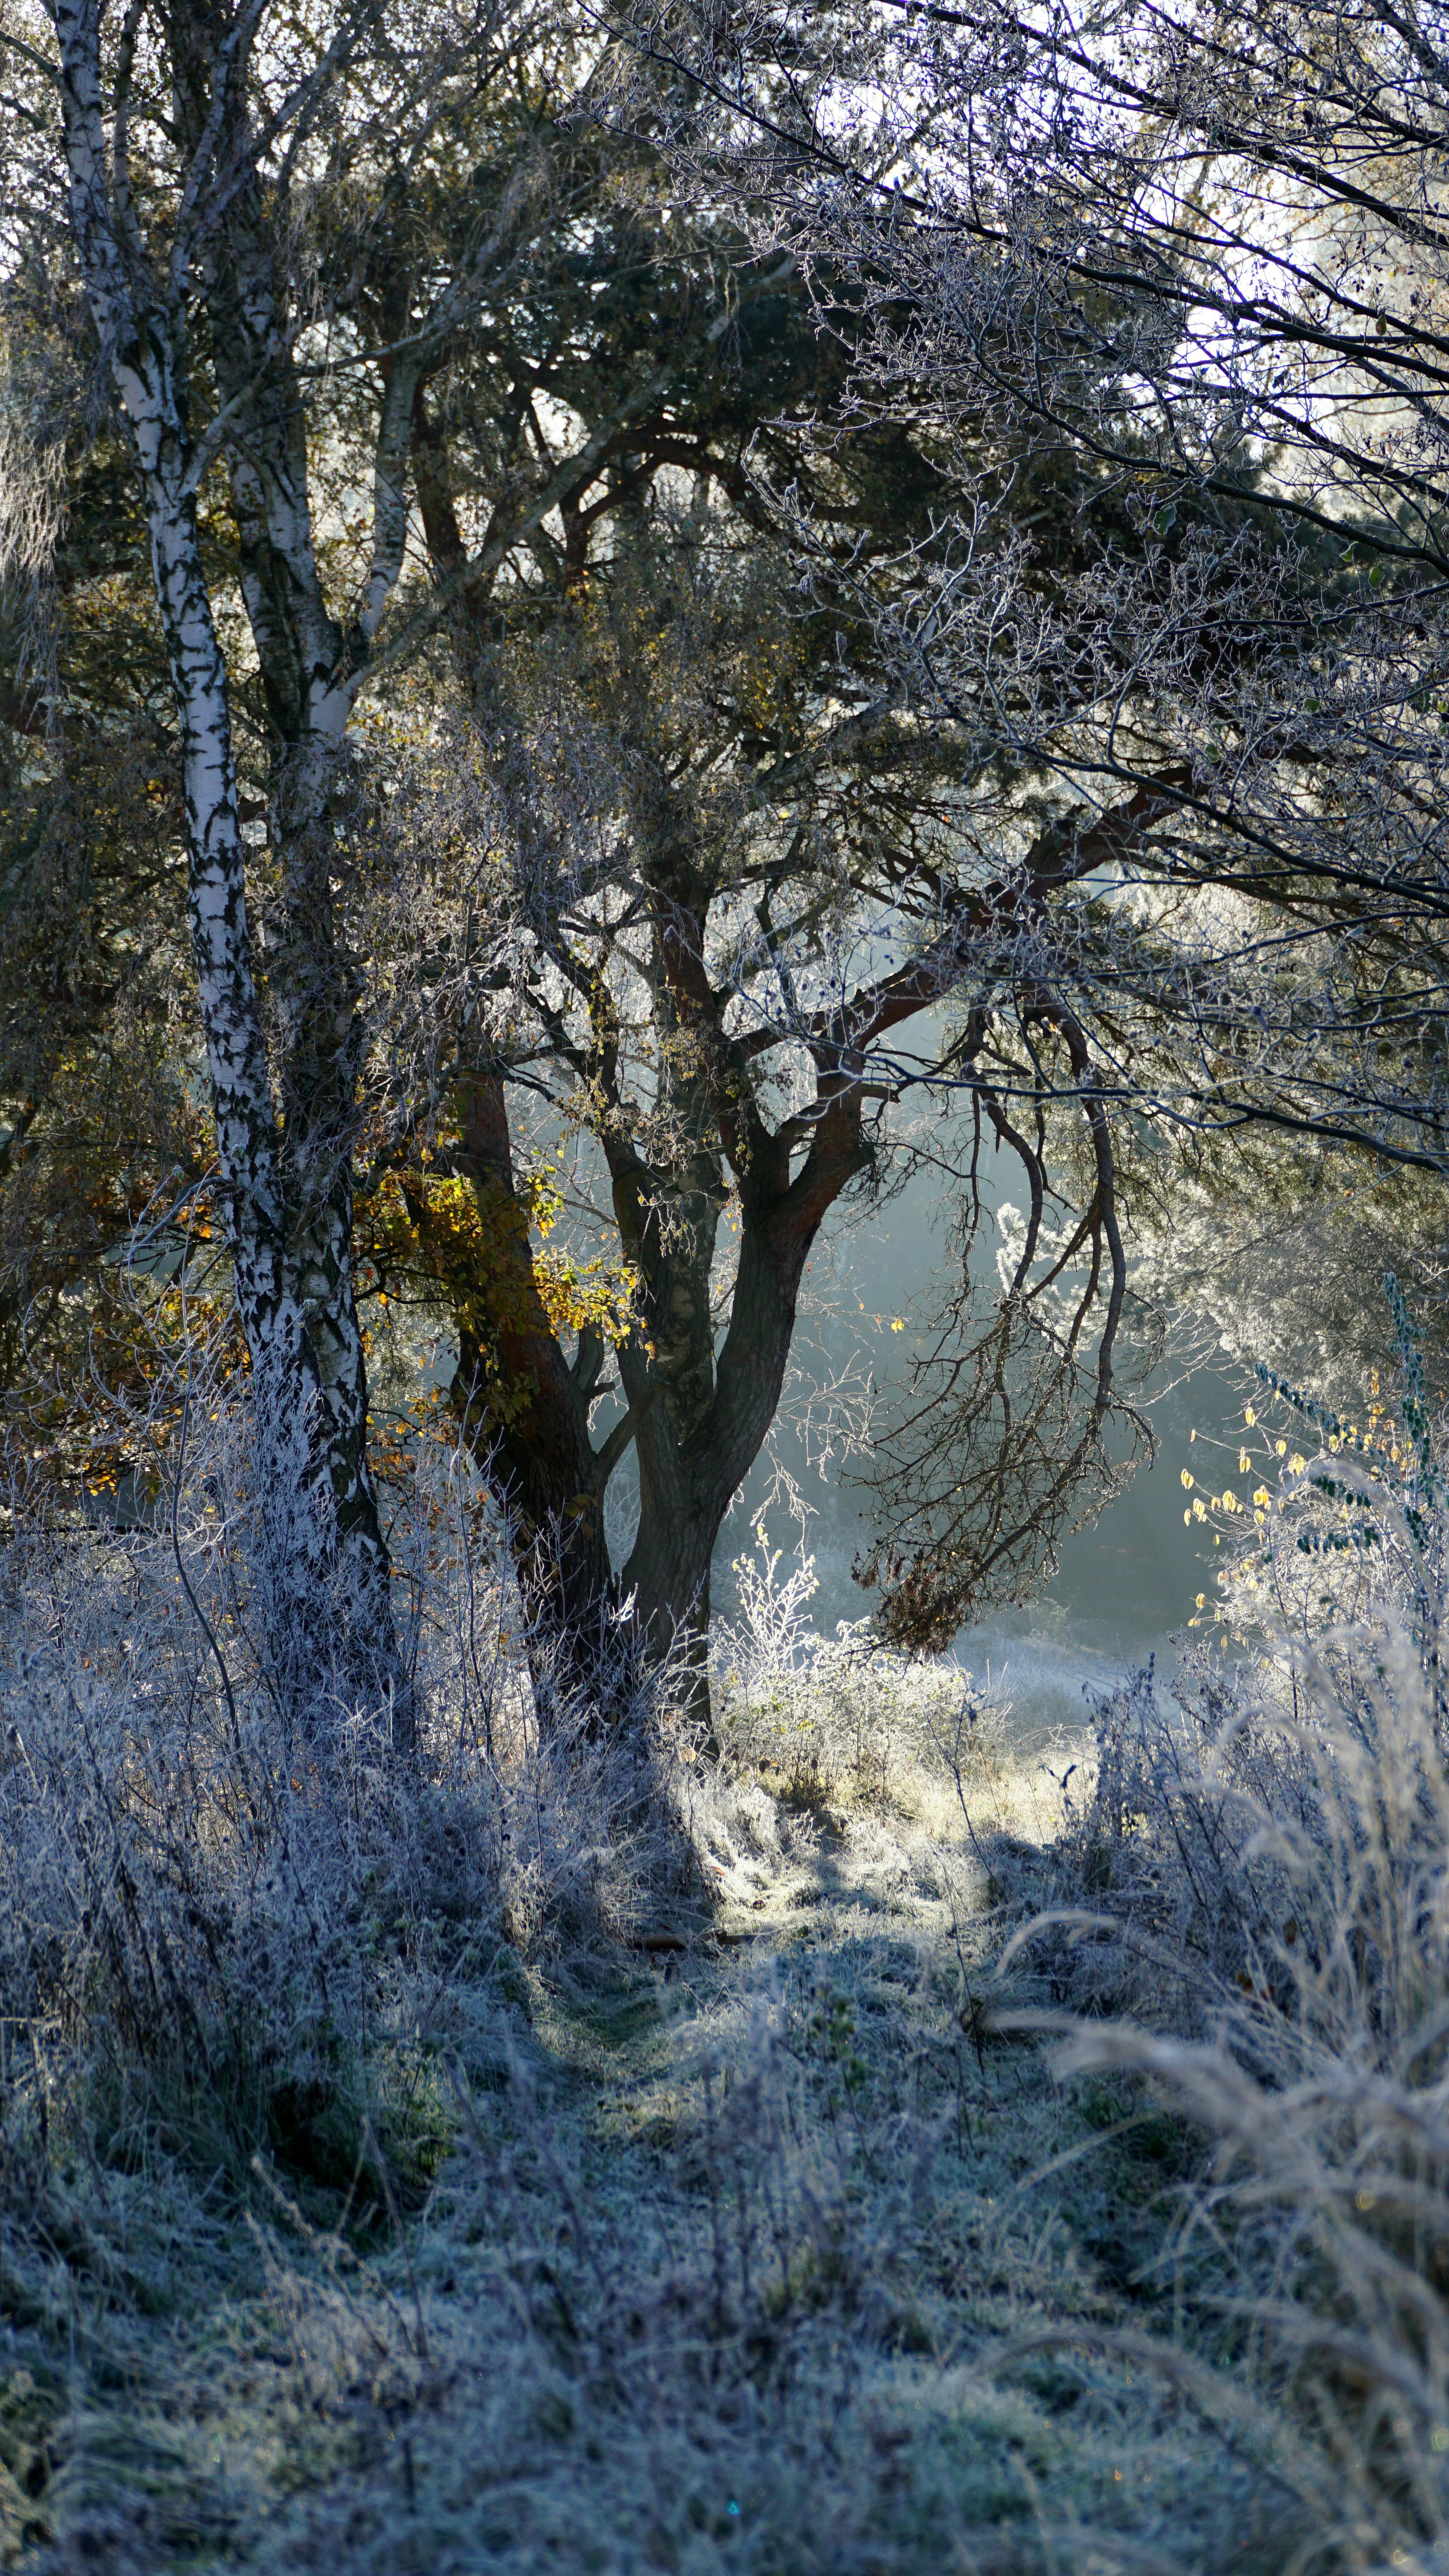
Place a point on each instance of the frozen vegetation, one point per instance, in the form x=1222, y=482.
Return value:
x=844, y=2147
x=634, y=650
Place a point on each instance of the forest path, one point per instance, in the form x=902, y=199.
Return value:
x=760, y=2255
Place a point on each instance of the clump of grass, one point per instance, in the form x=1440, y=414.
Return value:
x=840, y=1718
x=1259, y=1874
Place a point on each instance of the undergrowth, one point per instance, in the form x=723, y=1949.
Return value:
x=842, y=2146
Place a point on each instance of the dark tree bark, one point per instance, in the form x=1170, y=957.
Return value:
x=697, y=1443
x=526, y=1413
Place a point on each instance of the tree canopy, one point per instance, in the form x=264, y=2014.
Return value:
x=641, y=602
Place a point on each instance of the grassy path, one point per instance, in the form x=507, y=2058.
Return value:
x=759, y=2255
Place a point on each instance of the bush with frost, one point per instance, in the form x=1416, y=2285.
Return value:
x=830, y=1716
x=1251, y=1906
x=258, y=1918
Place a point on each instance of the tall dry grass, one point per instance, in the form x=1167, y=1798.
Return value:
x=1250, y=1905
x=257, y=1915
x=512, y=2150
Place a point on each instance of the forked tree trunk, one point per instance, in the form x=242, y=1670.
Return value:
x=698, y=1420
x=693, y=1458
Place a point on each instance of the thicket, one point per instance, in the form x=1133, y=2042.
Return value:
x=257, y=1930
x=1248, y=1903
x=838, y=2148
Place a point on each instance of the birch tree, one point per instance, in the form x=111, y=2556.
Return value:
x=198, y=148
x=156, y=203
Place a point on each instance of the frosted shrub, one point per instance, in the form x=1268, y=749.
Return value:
x=259, y=1923
x=1261, y=1875
x=1189, y=1836
x=1284, y=1898
x=827, y=1714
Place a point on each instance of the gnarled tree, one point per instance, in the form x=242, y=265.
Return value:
x=1167, y=296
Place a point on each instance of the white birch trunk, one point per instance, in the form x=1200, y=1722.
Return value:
x=310, y=671
x=141, y=324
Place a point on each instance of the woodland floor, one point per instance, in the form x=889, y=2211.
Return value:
x=758, y=2253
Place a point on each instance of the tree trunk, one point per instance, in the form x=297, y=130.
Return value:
x=310, y=670
x=698, y=1444
x=669, y=1226
x=526, y=1415
x=281, y=1299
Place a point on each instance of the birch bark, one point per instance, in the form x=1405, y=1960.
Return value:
x=310, y=670
x=140, y=311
